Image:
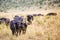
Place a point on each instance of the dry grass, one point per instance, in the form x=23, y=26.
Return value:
x=42, y=28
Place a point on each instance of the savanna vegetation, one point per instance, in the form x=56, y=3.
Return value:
x=42, y=28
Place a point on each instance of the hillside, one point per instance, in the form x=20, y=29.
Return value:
x=6, y=5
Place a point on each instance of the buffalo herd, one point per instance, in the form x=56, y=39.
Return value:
x=18, y=25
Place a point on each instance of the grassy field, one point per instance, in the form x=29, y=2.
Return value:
x=42, y=28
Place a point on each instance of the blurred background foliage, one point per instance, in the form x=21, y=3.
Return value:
x=8, y=4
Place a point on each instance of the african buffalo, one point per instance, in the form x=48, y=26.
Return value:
x=34, y=15
x=5, y=20
x=29, y=18
x=15, y=28
x=24, y=27
x=18, y=20
x=49, y=14
x=16, y=25
x=39, y=15
x=12, y=27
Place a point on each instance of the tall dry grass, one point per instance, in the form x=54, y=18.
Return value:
x=42, y=28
